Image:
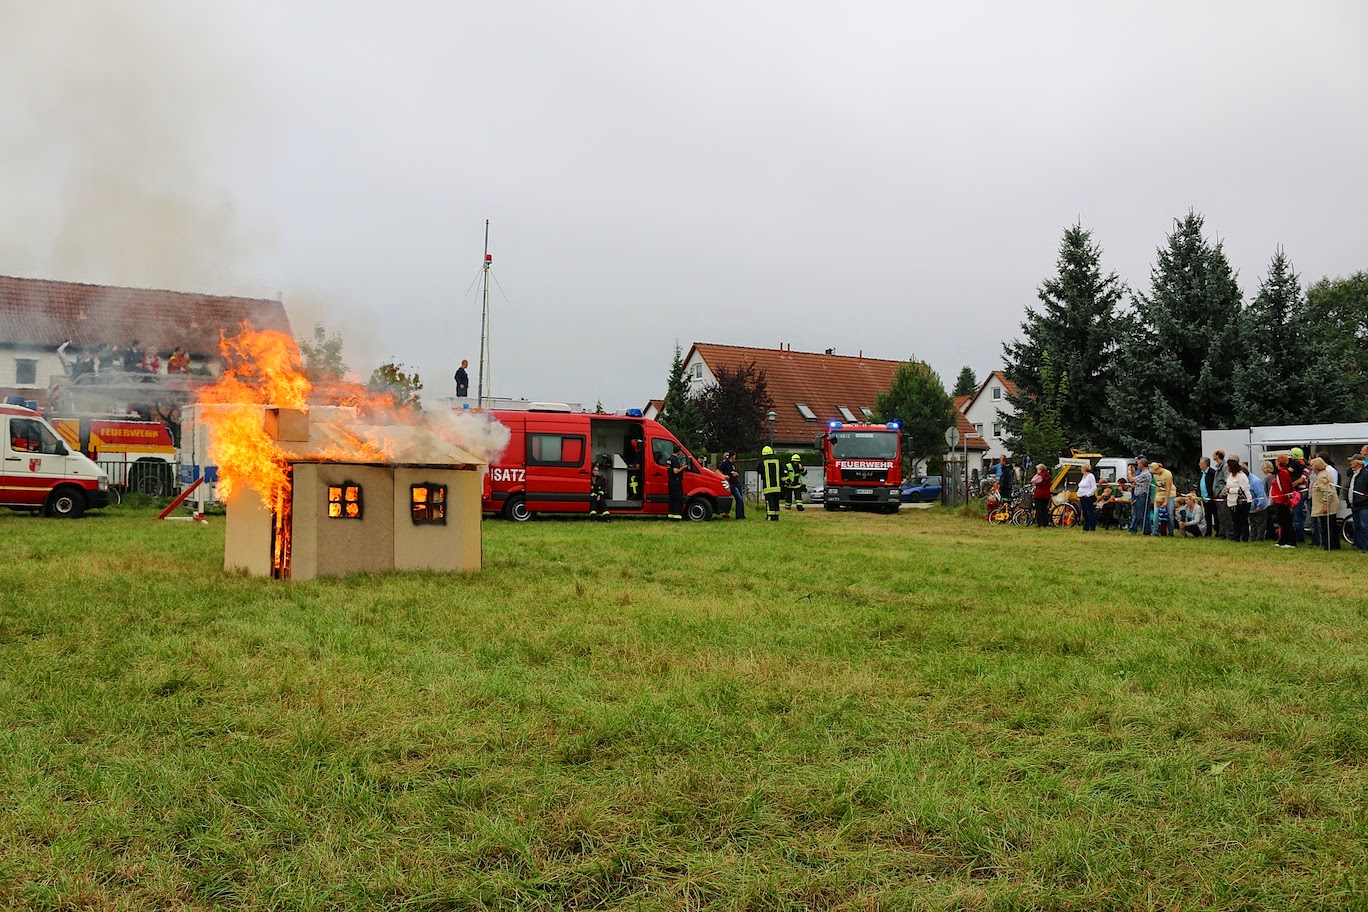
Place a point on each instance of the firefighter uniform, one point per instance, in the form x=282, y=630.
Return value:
x=674, y=470
x=769, y=482
x=793, y=482
x=598, y=495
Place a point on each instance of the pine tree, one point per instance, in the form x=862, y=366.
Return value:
x=678, y=412
x=966, y=384
x=918, y=399
x=1293, y=372
x=1076, y=325
x=1179, y=350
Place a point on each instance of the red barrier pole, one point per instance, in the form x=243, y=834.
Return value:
x=180, y=498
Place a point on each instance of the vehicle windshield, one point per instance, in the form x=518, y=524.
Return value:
x=864, y=445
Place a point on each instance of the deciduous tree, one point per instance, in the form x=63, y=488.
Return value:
x=918, y=399
x=401, y=384
x=323, y=356
x=1340, y=308
x=732, y=409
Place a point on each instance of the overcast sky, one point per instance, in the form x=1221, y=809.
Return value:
x=891, y=177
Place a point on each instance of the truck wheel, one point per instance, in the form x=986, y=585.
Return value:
x=698, y=510
x=65, y=503
x=147, y=479
x=516, y=509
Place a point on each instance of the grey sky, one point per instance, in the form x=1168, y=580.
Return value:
x=892, y=177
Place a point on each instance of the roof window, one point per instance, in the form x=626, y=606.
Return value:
x=868, y=412
x=805, y=412
x=846, y=413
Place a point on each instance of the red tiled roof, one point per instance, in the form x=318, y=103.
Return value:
x=820, y=381
x=969, y=437
x=47, y=313
x=962, y=402
x=1008, y=385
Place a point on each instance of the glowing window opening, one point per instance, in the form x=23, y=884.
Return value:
x=344, y=501
x=429, y=504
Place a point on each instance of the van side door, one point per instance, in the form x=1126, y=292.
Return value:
x=558, y=470
x=34, y=462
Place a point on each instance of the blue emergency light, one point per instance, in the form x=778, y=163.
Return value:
x=835, y=425
x=634, y=413
x=894, y=425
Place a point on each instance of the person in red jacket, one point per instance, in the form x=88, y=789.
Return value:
x=1040, y=492
x=1280, y=493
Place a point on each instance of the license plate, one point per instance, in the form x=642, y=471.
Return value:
x=864, y=490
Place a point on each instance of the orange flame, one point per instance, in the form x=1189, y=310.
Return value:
x=261, y=368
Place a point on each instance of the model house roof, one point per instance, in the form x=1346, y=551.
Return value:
x=808, y=388
x=43, y=312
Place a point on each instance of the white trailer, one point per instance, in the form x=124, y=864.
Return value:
x=1254, y=445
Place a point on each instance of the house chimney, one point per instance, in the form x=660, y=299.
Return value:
x=287, y=424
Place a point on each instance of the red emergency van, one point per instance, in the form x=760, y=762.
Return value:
x=545, y=467
x=38, y=472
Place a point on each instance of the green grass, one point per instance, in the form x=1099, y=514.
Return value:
x=840, y=711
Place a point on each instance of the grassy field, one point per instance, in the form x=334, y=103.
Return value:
x=840, y=711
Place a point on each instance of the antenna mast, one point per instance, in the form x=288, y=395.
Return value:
x=484, y=327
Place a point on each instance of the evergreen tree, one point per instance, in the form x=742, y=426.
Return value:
x=678, y=412
x=1293, y=371
x=1179, y=350
x=1340, y=308
x=1076, y=325
x=732, y=410
x=966, y=384
x=918, y=399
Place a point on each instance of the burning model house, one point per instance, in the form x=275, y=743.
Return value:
x=349, y=497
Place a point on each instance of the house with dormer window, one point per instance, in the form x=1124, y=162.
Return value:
x=809, y=389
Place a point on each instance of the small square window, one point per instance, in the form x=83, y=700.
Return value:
x=978, y=428
x=805, y=412
x=429, y=504
x=997, y=392
x=698, y=371
x=997, y=430
x=344, y=501
x=846, y=413
x=25, y=371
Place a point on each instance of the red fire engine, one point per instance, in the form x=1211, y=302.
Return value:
x=862, y=466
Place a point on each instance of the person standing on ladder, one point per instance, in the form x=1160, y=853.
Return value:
x=768, y=469
x=793, y=482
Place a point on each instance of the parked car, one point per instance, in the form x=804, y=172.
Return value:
x=923, y=489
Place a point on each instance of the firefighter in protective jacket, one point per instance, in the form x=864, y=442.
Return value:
x=793, y=482
x=769, y=482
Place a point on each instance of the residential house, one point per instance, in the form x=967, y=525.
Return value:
x=809, y=389
x=984, y=413
x=38, y=315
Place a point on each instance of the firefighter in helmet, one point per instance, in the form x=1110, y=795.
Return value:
x=793, y=482
x=769, y=482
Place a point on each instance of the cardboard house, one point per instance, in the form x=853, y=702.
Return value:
x=360, y=498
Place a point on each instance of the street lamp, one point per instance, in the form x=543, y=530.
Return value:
x=771, y=417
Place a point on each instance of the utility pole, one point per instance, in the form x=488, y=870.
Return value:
x=484, y=327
